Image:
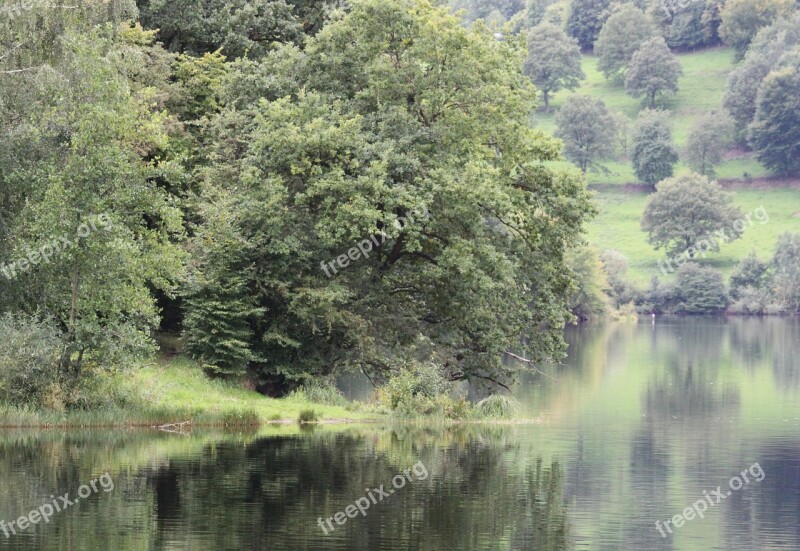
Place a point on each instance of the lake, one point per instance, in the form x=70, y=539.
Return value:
x=691, y=423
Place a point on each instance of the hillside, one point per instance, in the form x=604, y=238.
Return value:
x=702, y=88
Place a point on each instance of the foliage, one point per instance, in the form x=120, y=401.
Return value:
x=775, y=131
x=553, y=62
x=750, y=272
x=584, y=125
x=323, y=391
x=420, y=388
x=358, y=139
x=709, y=137
x=238, y=27
x=766, y=50
x=687, y=210
x=30, y=350
x=625, y=31
x=785, y=268
x=589, y=299
x=687, y=25
x=654, y=155
x=586, y=19
x=698, y=290
x=653, y=70
x=741, y=20
x=498, y=406
x=308, y=416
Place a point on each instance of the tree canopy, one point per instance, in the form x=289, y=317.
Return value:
x=392, y=110
x=553, y=62
x=687, y=210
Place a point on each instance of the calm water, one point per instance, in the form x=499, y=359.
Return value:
x=636, y=425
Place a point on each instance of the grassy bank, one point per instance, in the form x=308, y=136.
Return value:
x=177, y=391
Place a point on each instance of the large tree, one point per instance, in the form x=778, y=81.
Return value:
x=586, y=127
x=741, y=20
x=653, y=70
x=687, y=210
x=586, y=18
x=387, y=199
x=624, y=33
x=775, y=132
x=654, y=155
x=553, y=62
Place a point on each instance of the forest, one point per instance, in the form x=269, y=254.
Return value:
x=267, y=194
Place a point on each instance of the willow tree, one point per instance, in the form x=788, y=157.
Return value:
x=384, y=198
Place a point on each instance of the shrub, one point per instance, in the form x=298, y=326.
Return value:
x=498, y=406
x=414, y=383
x=420, y=388
x=699, y=290
x=30, y=349
x=308, y=416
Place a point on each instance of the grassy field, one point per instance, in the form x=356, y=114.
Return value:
x=177, y=391
x=617, y=227
x=702, y=88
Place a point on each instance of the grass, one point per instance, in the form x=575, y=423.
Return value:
x=617, y=227
x=177, y=391
x=701, y=89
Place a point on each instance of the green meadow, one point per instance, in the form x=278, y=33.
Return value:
x=702, y=89
x=617, y=227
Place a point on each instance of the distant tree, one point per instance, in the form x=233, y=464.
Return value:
x=624, y=33
x=741, y=20
x=553, y=62
x=687, y=210
x=769, y=45
x=684, y=24
x=654, y=155
x=698, y=290
x=534, y=12
x=749, y=272
x=585, y=126
x=653, y=70
x=709, y=137
x=586, y=18
x=775, y=132
x=785, y=268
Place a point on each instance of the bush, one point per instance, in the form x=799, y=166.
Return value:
x=699, y=290
x=498, y=406
x=30, y=349
x=421, y=389
x=308, y=416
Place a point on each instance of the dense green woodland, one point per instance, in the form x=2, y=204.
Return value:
x=249, y=176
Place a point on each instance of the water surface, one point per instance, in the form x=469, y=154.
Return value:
x=635, y=425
